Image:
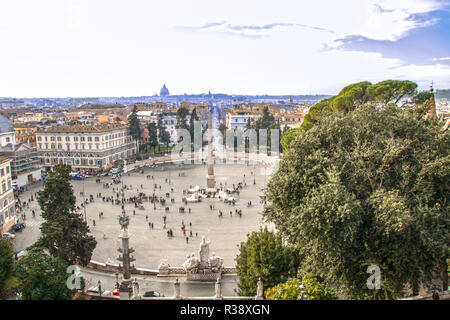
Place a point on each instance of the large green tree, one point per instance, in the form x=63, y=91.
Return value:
x=263, y=256
x=369, y=187
x=63, y=232
x=6, y=262
x=152, y=135
x=134, y=126
x=42, y=276
x=182, y=114
x=392, y=91
x=194, y=117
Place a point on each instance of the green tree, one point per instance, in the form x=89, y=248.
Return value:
x=350, y=97
x=290, y=290
x=6, y=262
x=161, y=129
x=263, y=256
x=369, y=187
x=391, y=91
x=63, y=232
x=192, y=120
x=165, y=137
x=43, y=276
x=152, y=135
x=182, y=113
x=134, y=126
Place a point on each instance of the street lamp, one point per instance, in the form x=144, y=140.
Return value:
x=302, y=295
x=254, y=174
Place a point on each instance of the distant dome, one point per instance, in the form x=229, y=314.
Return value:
x=164, y=91
x=5, y=125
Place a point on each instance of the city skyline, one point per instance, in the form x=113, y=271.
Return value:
x=109, y=49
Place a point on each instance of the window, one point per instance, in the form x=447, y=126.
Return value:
x=39, y=138
x=75, y=138
x=59, y=138
x=9, y=184
x=2, y=172
x=40, y=145
x=97, y=139
x=67, y=138
x=67, y=147
x=81, y=138
x=4, y=188
x=52, y=138
x=59, y=146
x=53, y=146
x=7, y=169
x=89, y=139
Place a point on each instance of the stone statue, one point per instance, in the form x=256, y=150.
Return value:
x=204, y=250
x=191, y=263
x=215, y=262
x=124, y=221
x=163, y=265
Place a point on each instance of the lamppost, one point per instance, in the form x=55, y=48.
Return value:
x=254, y=174
x=302, y=295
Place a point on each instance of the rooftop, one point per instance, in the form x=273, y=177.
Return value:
x=83, y=128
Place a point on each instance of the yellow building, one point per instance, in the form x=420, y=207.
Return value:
x=7, y=201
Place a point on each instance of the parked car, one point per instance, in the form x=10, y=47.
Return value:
x=94, y=289
x=8, y=235
x=153, y=294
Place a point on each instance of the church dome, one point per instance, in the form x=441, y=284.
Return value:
x=164, y=91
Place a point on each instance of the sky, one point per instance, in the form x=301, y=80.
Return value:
x=78, y=48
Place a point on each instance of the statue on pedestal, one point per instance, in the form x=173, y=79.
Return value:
x=215, y=263
x=204, y=251
x=191, y=264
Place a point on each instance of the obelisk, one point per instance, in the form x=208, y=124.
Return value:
x=210, y=179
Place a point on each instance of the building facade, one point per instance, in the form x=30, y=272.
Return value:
x=7, y=201
x=238, y=121
x=84, y=147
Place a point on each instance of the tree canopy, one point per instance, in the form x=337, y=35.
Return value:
x=290, y=290
x=355, y=95
x=43, y=276
x=369, y=187
x=63, y=232
x=263, y=256
x=152, y=134
x=134, y=125
x=6, y=262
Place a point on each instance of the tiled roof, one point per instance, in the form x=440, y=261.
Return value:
x=83, y=128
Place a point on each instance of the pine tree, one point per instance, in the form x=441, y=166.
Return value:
x=63, y=233
x=152, y=135
x=134, y=126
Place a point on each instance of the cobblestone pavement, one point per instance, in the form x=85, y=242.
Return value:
x=152, y=245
